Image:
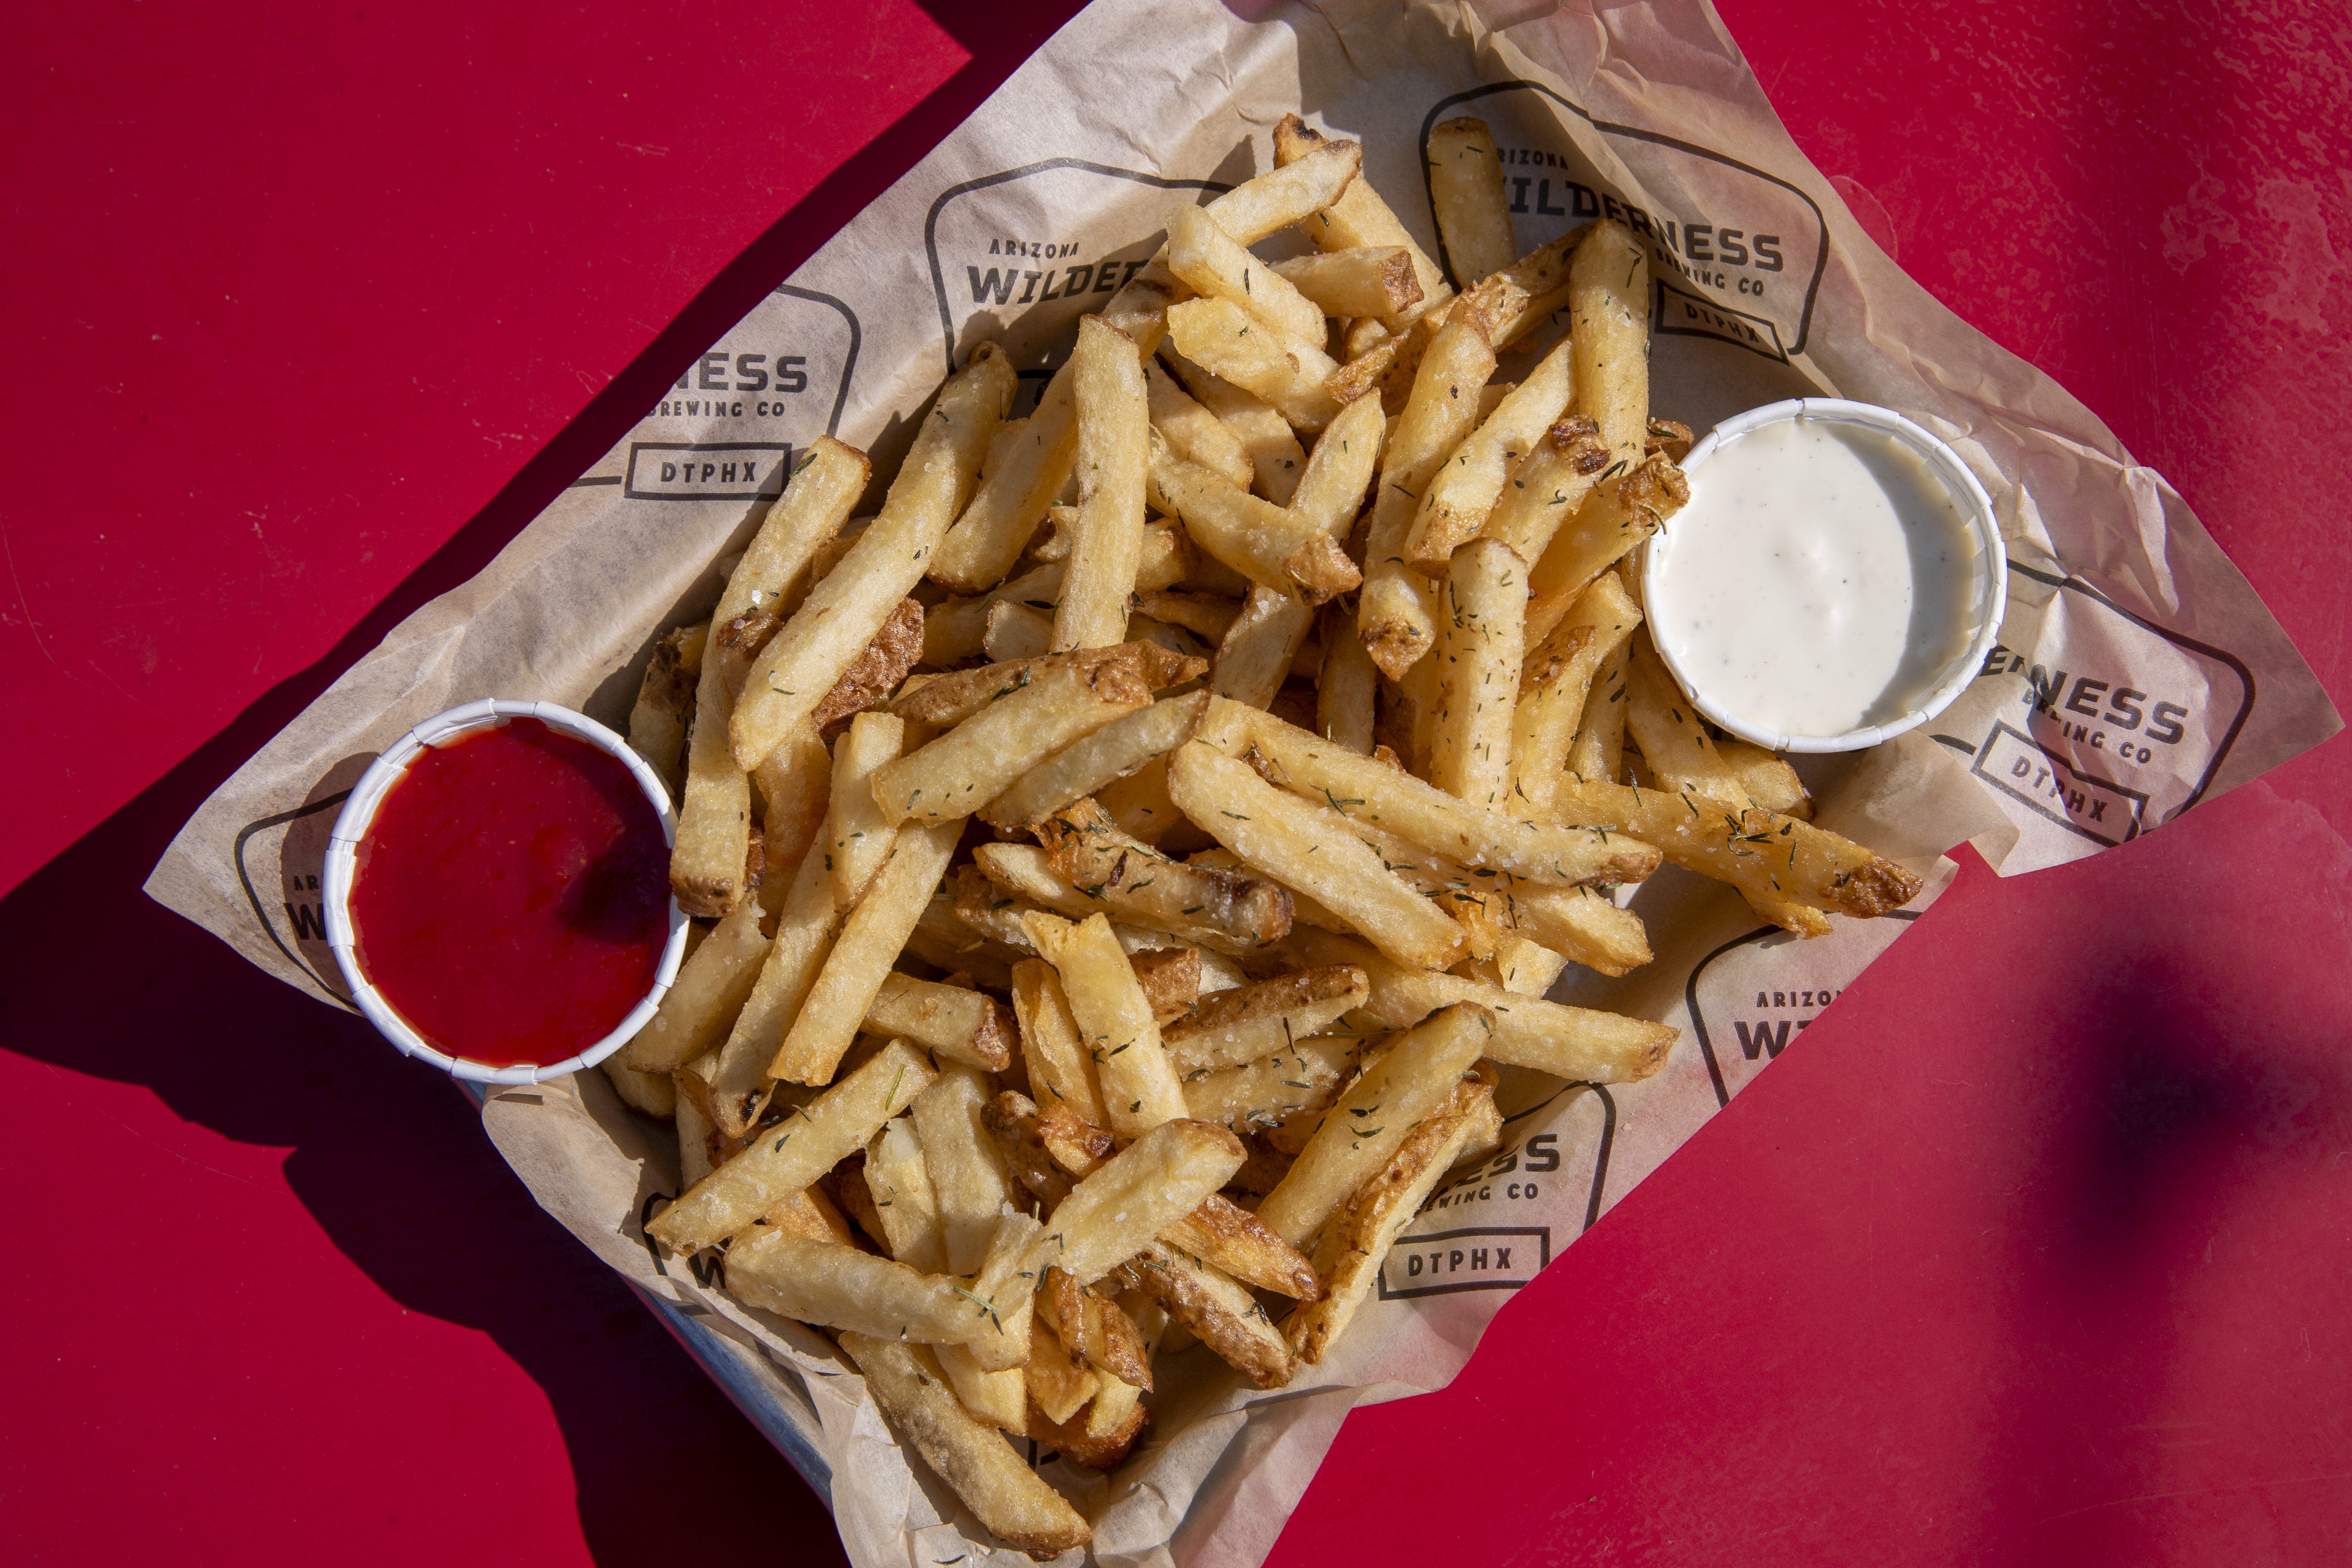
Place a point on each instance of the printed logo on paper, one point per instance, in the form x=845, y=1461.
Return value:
x=727, y=428
x=2122, y=731
x=1754, y=996
x=1741, y=261
x=1504, y=1258
x=1008, y=262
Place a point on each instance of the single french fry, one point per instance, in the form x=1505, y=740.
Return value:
x=1207, y=616
x=1291, y=193
x=957, y=630
x=800, y=664
x=1359, y=218
x=805, y=929
x=1291, y=841
x=1229, y=1028
x=1465, y=189
x=1264, y=542
x=1114, y=752
x=1219, y=1309
x=1276, y=460
x=795, y=787
x=1467, y=484
x=1478, y=681
x=651, y=1092
x=1059, y=1379
x=957, y=1022
x=1519, y=966
x=1555, y=683
x=714, y=818
x=1193, y=433
x=1021, y=877
x=1395, y=616
x=1414, y=1077
x=1061, y=1070
x=1090, y=1325
x=775, y=570
x=1147, y=888
x=1304, y=1075
x=1420, y=812
x=1579, y=1044
x=1208, y=259
x=701, y=1147
x=1370, y=280
x=858, y=837
x=906, y=1210
x=1522, y=295
x=1227, y=341
x=967, y=1179
x=996, y=1483
x=666, y=699
x=1016, y=631
x=842, y=1288
x=1257, y=651
x=821, y=1134
x=1576, y=921
x=1767, y=778
x=1609, y=309
x=1358, y=1239
x=1138, y=1088
x=869, y=942
x=1550, y=487
x=952, y=699
x=1107, y=546
x=1598, y=753
x=703, y=1001
x=1117, y=1209
x=1347, y=688
x=950, y=778
x=1769, y=856
x=978, y=552
x=999, y=1398
x=1617, y=516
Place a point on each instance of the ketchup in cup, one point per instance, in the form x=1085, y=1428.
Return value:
x=509, y=897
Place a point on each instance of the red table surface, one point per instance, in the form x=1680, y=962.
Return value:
x=2038, y=1248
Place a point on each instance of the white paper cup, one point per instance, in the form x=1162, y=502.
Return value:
x=1992, y=598
x=359, y=813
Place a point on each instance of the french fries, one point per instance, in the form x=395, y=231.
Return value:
x=1609, y=309
x=821, y=1135
x=1232, y=989
x=870, y=940
x=1359, y=1240
x=994, y=1482
x=1116, y=1211
x=1369, y=280
x=1412, y=1078
x=1115, y=1022
x=950, y=778
x=1230, y=1027
x=802, y=664
x=1092, y=855
x=1106, y=545
x=1466, y=187
x=1118, y=751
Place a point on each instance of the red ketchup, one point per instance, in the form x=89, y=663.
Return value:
x=512, y=898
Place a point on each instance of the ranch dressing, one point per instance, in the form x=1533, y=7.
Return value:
x=1821, y=580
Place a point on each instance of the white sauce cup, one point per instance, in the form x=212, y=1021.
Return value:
x=359, y=813
x=1968, y=498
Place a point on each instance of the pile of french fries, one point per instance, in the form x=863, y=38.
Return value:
x=1124, y=861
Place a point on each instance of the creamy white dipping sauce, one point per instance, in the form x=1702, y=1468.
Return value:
x=1821, y=579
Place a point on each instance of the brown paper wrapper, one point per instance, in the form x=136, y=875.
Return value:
x=2136, y=674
